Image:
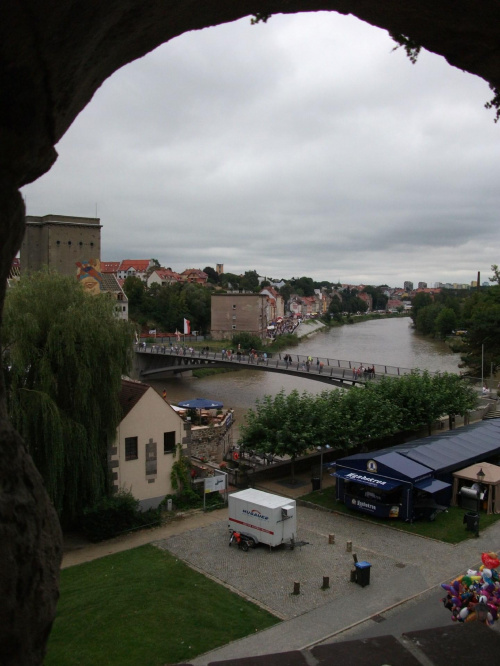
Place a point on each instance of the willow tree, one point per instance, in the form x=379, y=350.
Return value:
x=63, y=353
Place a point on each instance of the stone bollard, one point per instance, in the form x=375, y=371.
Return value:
x=331, y=538
x=326, y=583
x=349, y=547
x=296, y=588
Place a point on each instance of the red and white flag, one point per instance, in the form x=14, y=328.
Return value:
x=187, y=327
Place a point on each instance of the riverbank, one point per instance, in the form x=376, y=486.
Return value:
x=308, y=327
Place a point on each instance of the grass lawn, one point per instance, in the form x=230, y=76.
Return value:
x=146, y=607
x=448, y=526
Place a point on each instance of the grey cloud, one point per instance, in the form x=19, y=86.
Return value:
x=299, y=147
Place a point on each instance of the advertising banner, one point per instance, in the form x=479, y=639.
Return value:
x=373, y=507
x=215, y=483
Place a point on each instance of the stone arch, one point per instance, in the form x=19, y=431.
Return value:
x=54, y=55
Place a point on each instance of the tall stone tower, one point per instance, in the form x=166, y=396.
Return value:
x=58, y=242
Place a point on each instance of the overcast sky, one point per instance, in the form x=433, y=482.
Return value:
x=303, y=146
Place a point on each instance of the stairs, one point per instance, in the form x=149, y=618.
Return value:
x=493, y=412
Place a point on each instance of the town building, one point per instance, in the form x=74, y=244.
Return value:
x=111, y=286
x=239, y=312
x=367, y=298
x=276, y=303
x=195, y=275
x=144, y=450
x=70, y=246
x=408, y=286
x=58, y=242
x=422, y=285
x=164, y=277
x=134, y=268
x=110, y=267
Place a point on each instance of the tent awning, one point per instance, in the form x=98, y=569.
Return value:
x=379, y=482
x=200, y=403
x=432, y=485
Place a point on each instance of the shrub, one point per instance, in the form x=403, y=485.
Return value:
x=187, y=499
x=190, y=499
x=116, y=514
x=247, y=340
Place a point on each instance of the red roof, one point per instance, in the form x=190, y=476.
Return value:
x=194, y=271
x=140, y=265
x=110, y=266
x=166, y=273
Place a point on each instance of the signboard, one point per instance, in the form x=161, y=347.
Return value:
x=383, y=483
x=372, y=507
x=215, y=483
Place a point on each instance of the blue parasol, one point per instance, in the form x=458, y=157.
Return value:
x=200, y=403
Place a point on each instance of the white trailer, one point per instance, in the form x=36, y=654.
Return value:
x=263, y=517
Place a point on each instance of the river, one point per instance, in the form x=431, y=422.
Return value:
x=383, y=341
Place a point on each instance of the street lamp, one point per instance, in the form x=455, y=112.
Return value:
x=480, y=478
x=321, y=449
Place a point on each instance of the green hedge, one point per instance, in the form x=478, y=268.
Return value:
x=116, y=514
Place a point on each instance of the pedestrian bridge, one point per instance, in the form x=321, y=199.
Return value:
x=155, y=361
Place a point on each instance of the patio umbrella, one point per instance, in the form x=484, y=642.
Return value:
x=200, y=403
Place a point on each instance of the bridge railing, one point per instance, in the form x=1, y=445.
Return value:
x=335, y=368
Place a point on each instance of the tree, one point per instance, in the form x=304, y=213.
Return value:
x=303, y=286
x=282, y=426
x=422, y=398
x=378, y=297
x=135, y=291
x=426, y=318
x=335, y=306
x=483, y=333
x=446, y=322
x=421, y=300
x=496, y=274
x=63, y=355
x=250, y=281
x=230, y=281
x=213, y=276
x=154, y=266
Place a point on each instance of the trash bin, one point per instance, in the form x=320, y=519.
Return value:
x=471, y=521
x=363, y=573
x=316, y=483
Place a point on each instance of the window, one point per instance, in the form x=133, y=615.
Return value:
x=234, y=316
x=169, y=442
x=234, y=307
x=131, y=448
x=233, y=327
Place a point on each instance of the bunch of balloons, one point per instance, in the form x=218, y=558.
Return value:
x=476, y=595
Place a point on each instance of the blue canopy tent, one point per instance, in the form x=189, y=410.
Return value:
x=422, y=469
x=380, y=485
x=200, y=403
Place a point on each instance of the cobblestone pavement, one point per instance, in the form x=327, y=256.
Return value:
x=403, y=563
x=403, y=566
